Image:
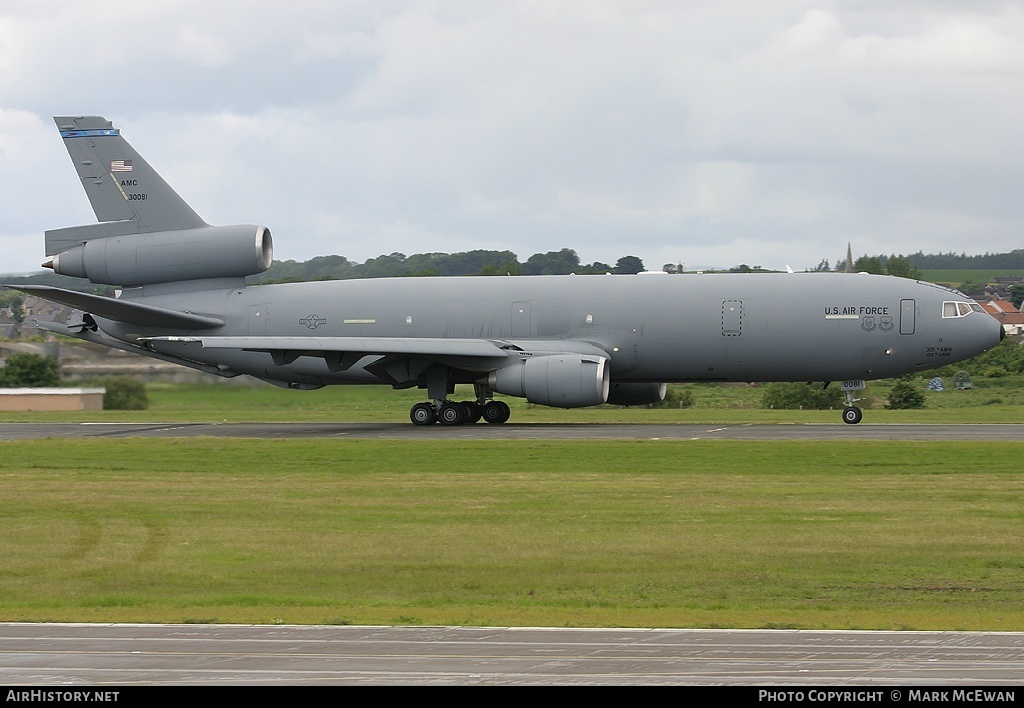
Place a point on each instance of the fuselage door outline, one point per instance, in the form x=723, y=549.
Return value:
x=908, y=316
x=520, y=319
x=732, y=318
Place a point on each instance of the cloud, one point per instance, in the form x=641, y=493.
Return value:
x=712, y=133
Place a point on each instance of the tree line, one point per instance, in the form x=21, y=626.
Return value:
x=911, y=265
x=883, y=265
x=561, y=262
x=479, y=262
x=1012, y=260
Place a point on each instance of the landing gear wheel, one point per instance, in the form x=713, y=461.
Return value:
x=422, y=414
x=452, y=414
x=496, y=412
x=852, y=415
x=473, y=412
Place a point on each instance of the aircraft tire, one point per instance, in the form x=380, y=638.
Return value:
x=496, y=412
x=473, y=412
x=852, y=415
x=452, y=414
x=422, y=414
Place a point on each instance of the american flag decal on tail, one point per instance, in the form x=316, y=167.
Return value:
x=120, y=165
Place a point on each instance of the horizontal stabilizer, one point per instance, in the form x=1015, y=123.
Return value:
x=121, y=310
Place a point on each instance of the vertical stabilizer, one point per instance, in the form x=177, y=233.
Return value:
x=147, y=234
x=120, y=184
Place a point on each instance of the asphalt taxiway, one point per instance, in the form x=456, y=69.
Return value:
x=132, y=655
x=519, y=431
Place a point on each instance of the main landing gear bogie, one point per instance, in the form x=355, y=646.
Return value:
x=459, y=412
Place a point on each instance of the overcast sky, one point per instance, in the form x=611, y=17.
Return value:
x=703, y=131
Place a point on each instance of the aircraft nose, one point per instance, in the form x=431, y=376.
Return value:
x=1002, y=333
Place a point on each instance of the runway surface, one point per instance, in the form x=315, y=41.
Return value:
x=127, y=655
x=518, y=431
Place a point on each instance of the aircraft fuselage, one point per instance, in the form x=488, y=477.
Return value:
x=655, y=328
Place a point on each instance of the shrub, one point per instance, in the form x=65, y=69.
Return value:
x=124, y=394
x=905, y=393
x=30, y=371
x=676, y=397
x=798, y=396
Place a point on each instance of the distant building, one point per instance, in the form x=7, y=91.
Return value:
x=1011, y=317
x=8, y=327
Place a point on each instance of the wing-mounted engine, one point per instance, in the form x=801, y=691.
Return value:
x=166, y=256
x=636, y=394
x=558, y=380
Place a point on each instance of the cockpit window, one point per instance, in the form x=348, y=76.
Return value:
x=959, y=309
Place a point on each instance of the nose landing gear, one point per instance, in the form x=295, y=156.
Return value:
x=851, y=413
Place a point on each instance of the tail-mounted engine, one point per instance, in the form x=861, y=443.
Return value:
x=165, y=256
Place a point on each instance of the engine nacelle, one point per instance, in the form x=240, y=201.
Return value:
x=165, y=256
x=636, y=394
x=559, y=380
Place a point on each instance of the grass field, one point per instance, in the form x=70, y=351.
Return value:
x=614, y=533
x=810, y=535
x=955, y=276
x=992, y=401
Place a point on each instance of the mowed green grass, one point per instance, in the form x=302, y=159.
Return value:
x=868, y=535
x=992, y=401
x=955, y=276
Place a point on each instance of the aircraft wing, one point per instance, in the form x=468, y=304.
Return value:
x=363, y=345
x=122, y=310
x=343, y=352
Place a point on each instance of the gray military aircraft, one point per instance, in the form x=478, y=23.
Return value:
x=563, y=341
